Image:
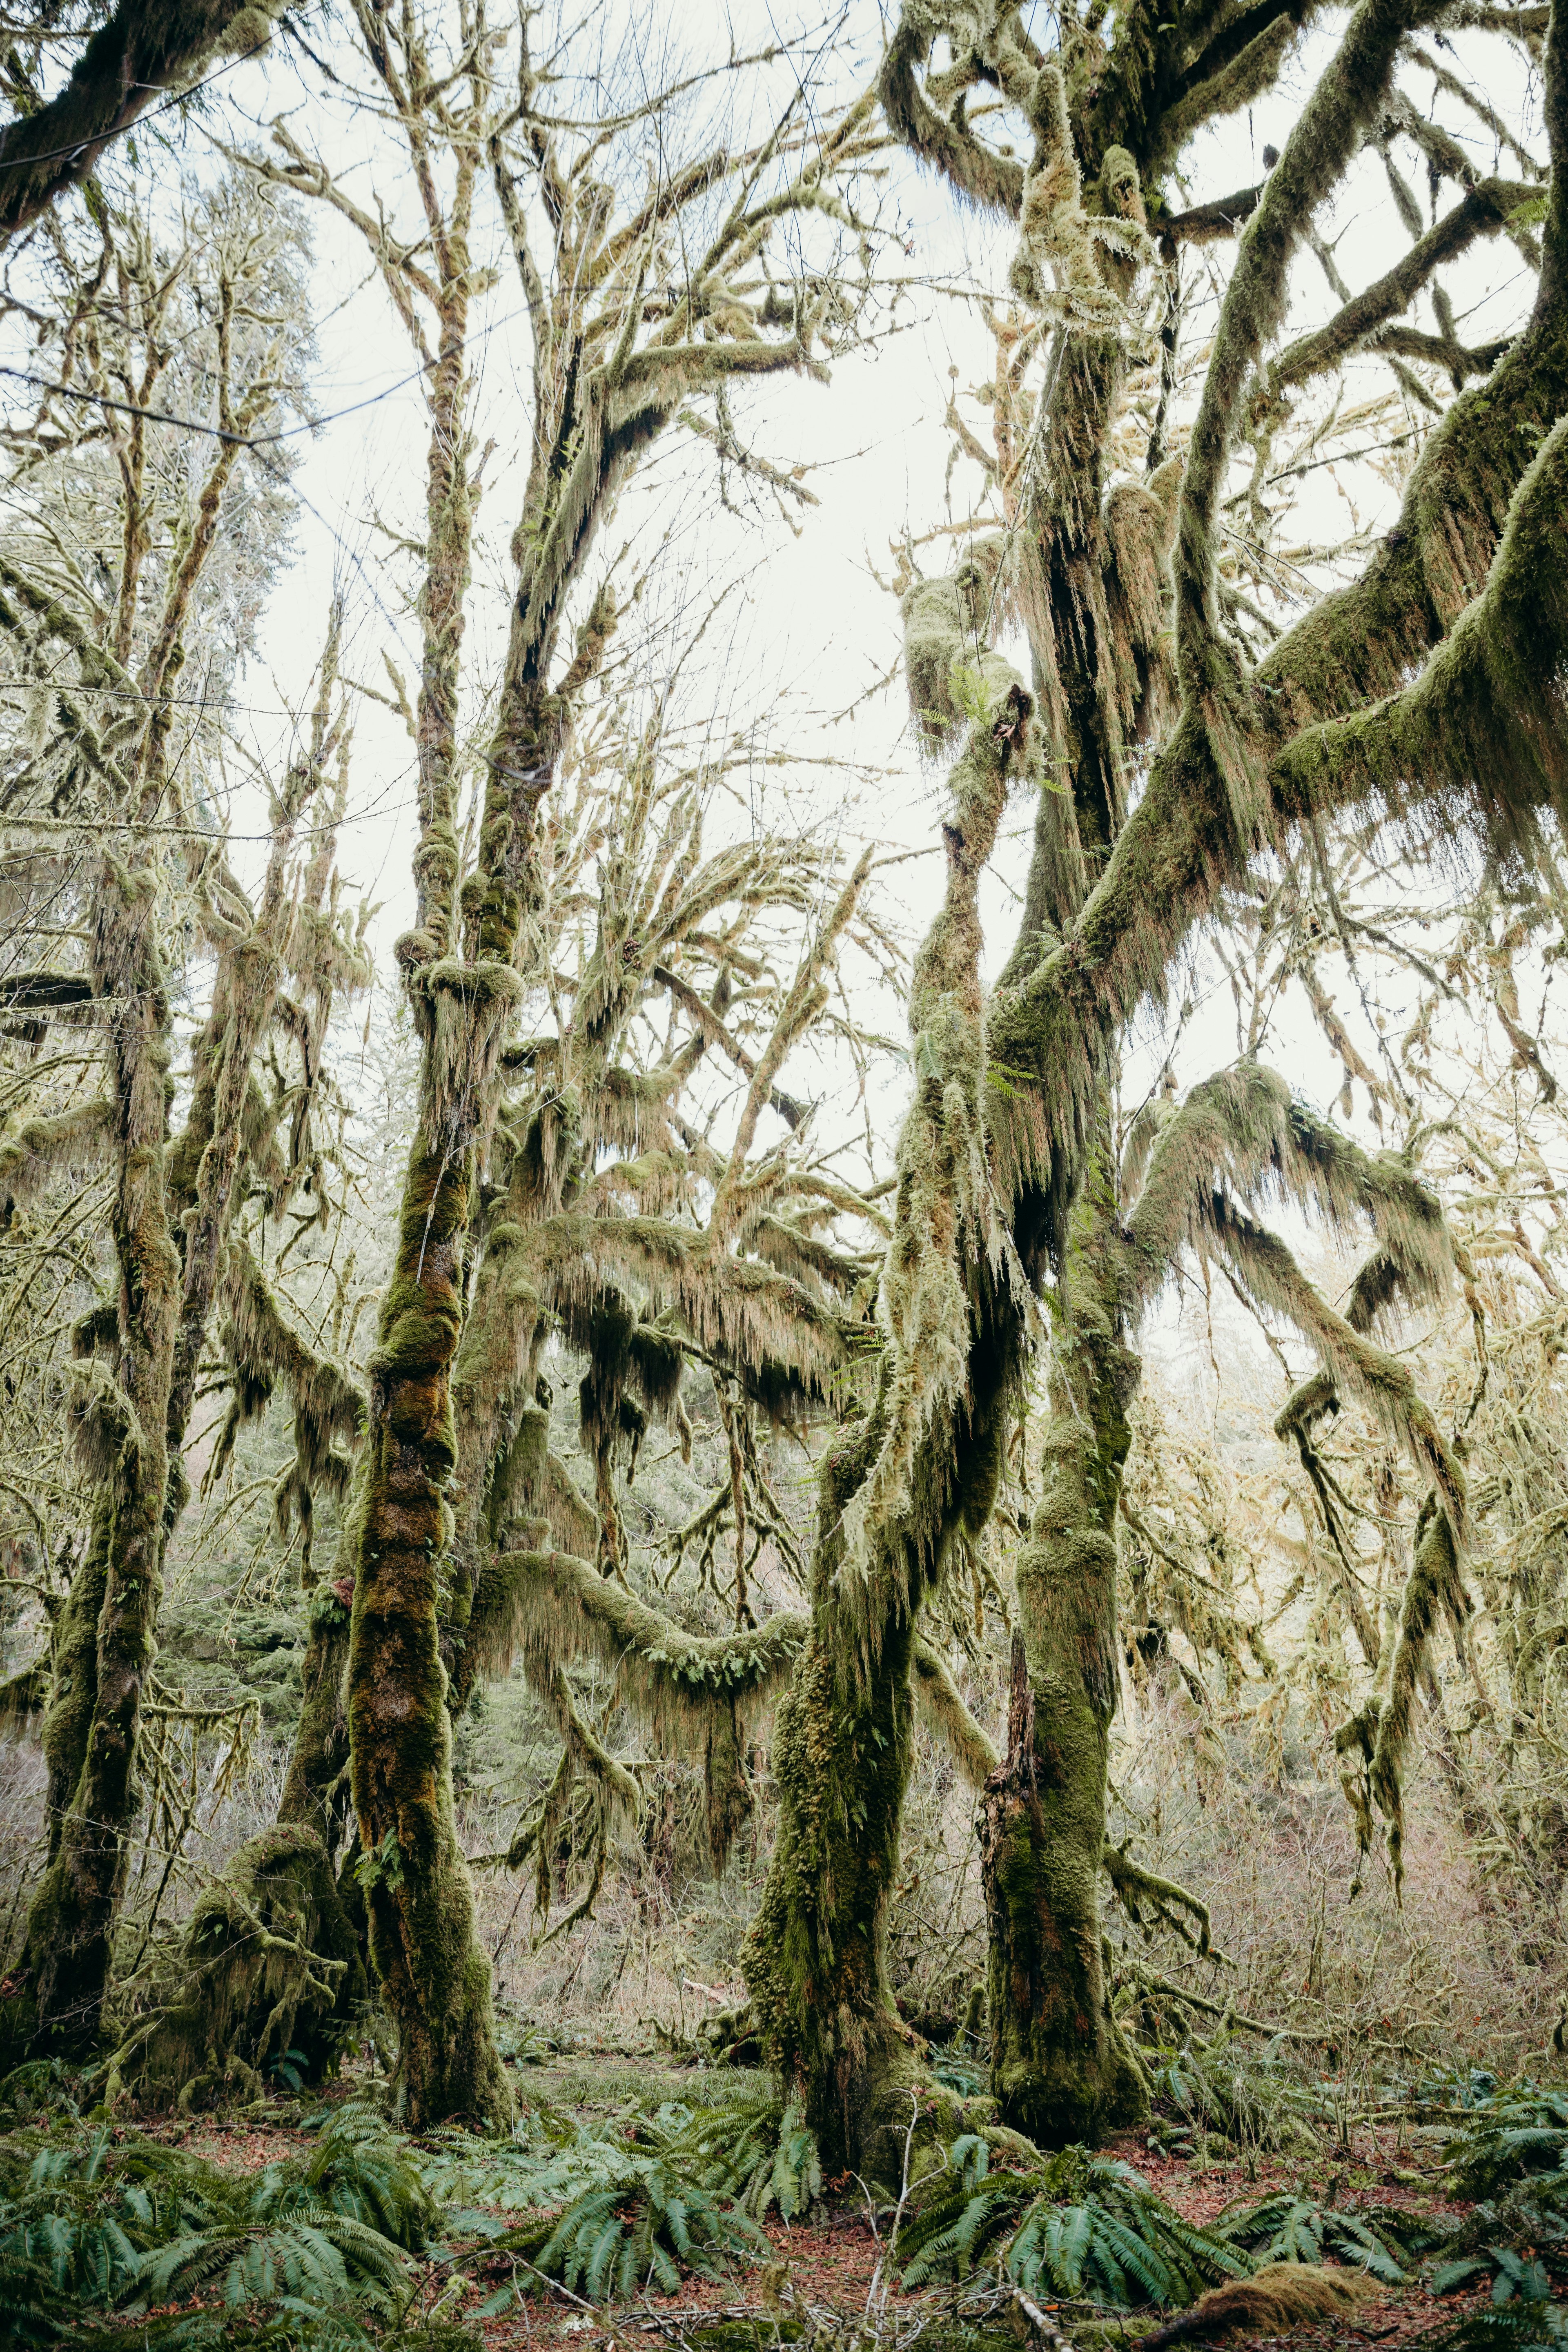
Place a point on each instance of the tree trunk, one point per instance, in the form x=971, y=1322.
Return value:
x=321, y=1747
x=419, y=1896
x=91, y=1742
x=816, y=1958
x=816, y=1955
x=1061, y=2069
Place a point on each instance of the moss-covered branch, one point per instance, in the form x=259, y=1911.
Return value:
x=147, y=49
x=1242, y=1130
x=967, y=1742
x=553, y=1607
x=1482, y=211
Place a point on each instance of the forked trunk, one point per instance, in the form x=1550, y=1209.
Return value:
x=816, y=1955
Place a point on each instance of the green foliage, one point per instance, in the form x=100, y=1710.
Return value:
x=1288, y=2228
x=644, y=2194
x=1511, y=2156
x=103, y=2224
x=1515, y=2327
x=1080, y=2225
x=792, y=2181
x=1513, y=2134
x=365, y=2172
x=43, y=2086
x=384, y=1863
x=1229, y=2088
x=959, y=2067
x=298, y=2250
x=650, y=2224
x=1523, y=2316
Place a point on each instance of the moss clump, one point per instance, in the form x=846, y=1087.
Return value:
x=273, y=1972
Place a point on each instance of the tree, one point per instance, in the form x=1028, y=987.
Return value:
x=137, y=52
x=1249, y=751
x=614, y=363
x=102, y=775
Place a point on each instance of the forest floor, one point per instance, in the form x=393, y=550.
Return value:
x=830, y=2283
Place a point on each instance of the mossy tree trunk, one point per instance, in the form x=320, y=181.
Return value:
x=816, y=1955
x=896, y=1489
x=1062, y=2071
x=420, y=1900
x=123, y=1417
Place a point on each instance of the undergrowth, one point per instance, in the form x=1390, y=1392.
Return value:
x=1293, y=2227
x=103, y=2222
x=1078, y=2225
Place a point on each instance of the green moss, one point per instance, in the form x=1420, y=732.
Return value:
x=435, y=1978
x=271, y=1965
x=1061, y=2072
x=313, y=1797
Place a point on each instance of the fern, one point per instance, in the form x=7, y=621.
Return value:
x=1286, y=2228
x=1080, y=2225
x=41, y=2086
x=1236, y=2093
x=958, y=2066
x=93, y=2226
x=302, y=2251
x=792, y=2179
x=646, y=2195
x=1533, y=2327
x=647, y=2227
x=1518, y=2133
x=363, y=2171
x=740, y=2143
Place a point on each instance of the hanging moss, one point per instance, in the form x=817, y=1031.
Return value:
x=41, y=1148
x=554, y=1608
x=133, y=56
x=726, y=1783
x=329, y=1407
x=970, y=1747
x=121, y=1421
x=315, y=1795
x=1435, y=1590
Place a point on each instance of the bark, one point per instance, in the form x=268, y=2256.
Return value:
x=419, y=1896
x=1061, y=2072
x=313, y=1795
x=147, y=48
x=124, y=1421
x=816, y=1959
x=901, y=1484
x=420, y=1899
